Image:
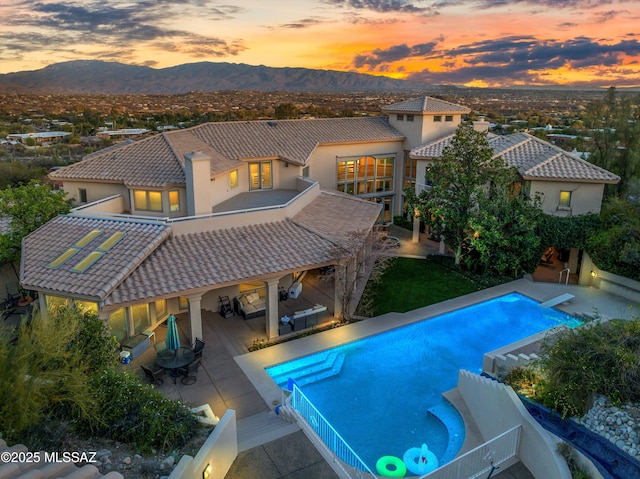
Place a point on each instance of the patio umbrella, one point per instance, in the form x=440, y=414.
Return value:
x=173, y=339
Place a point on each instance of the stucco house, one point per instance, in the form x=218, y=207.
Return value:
x=172, y=222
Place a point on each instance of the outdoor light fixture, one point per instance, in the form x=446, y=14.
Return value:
x=593, y=274
x=207, y=471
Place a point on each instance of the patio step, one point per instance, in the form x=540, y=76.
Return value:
x=324, y=367
x=262, y=428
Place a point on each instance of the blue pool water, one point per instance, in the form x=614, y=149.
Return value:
x=383, y=394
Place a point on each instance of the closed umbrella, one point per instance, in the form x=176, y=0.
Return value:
x=173, y=339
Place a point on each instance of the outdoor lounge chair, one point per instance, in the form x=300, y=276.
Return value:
x=154, y=377
x=190, y=372
x=198, y=346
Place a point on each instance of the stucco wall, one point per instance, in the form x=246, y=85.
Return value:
x=496, y=408
x=585, y=197
x=218, y=452
x=96, y=191
x=423, y=129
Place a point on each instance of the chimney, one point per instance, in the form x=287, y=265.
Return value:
x=480, y=124
x=197, y=174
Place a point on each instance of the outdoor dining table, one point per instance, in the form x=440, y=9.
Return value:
x=174, y=360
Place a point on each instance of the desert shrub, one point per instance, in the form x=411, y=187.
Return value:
x=599, y=358
x=133, y=412
x=42, y=374
x=97, y=347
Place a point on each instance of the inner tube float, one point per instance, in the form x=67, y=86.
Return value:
x=420, y=460
x=391, y=466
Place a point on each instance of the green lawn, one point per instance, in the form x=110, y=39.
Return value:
x=413, y=283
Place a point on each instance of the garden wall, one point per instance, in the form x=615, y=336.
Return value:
x=496, y=408
x=609, y=282
x=218, y=451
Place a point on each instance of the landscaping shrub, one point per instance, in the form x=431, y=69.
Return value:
x=598, y=358
x=133, y=412
x=42, y=375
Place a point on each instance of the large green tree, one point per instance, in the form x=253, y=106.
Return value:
x=504, y=239
x=27, y=208
x=457, y=179
x=614, y=123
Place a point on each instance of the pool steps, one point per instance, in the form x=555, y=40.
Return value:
x=450, y=417
x=325, y=367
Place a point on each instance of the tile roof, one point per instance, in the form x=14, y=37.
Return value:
x=326, y=216
x=150, y=162
x=291, y=140
x=158, y=161
x=48, y=242
x=207, y=259
x=534, y=158
x=426, y=104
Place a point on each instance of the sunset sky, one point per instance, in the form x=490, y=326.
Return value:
x=463, y=42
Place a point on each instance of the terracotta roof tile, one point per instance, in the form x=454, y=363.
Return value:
x=206, y=259
x=47, y=243
x=426, y=104
x=158, y=161
x=292, y=140
x=335, y=215
x=149, y=162
x=201, y=260
x=533, y=157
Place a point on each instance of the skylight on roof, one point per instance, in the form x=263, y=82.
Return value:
x=84, y=241
x=91, y=258
x=110, y=241
x=56, y=263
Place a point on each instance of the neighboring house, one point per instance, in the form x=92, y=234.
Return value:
x=172, y=222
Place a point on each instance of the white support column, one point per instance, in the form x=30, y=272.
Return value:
x=195, y=317
x=416, y=229
x=272, y=308
x=42, y=302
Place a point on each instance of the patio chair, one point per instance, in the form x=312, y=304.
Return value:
x=154, y=377
x=190, y=372
x=197, y=347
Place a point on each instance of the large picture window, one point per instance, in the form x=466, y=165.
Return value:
x=260, y=175
x=367, y=175
x=144, y=200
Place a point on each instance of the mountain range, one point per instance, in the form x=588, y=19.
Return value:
x=95, y=77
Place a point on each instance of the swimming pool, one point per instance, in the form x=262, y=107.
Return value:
x=383, y=394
